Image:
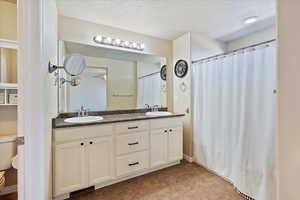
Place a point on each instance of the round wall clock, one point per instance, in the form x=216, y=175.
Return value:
x=163, y=72
x=181, y=68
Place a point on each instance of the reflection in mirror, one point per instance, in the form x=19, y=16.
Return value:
x=8, y=65
x=113, y=80
x=74, y=64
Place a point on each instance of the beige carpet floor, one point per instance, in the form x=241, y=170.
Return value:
x=186, y=181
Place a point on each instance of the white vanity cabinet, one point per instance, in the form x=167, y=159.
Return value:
x=82, y=157
x=166, y=141
x=100, y=155
x=100, y=160
x=69, y=167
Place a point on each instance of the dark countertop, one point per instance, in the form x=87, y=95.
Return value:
x=110, y=118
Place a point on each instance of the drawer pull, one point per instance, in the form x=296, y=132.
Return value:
x=165, y=131
x=81, y=143
x=132, y=164
x=91, y=142
x=133, y=127
x=135, y=143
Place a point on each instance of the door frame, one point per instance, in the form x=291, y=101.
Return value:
x=32, y=118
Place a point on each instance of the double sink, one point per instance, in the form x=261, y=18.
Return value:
x=90, y=119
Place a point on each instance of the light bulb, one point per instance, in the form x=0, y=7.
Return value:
x=142, y=46
x=117, y=42
x=108, y=40
x=134, y=45
x=126, y=43
x=98, y=38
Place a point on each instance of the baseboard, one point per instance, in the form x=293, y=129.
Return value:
x=9, y=189
x=188, y=158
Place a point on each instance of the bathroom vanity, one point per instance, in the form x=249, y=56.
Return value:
x=119, y=147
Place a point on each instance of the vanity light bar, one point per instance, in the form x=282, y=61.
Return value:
x=119, y=43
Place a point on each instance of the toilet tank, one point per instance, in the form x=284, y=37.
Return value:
x=8, y=150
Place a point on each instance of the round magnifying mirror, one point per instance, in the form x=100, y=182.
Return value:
x=74, y=64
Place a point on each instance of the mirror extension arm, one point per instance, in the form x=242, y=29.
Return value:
x=53, y=68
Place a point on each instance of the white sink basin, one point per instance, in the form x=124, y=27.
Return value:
x=81, y=120
x=154, y=114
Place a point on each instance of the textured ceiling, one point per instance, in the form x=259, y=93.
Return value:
x=169, y=19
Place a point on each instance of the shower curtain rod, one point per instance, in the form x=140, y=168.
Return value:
x=148, y=75
x=230, y=52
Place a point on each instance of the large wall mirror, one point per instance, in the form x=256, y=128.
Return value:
x=113, y=80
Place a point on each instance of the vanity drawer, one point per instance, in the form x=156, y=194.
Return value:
x=132, y=143
x=134, y=126
x=166, y=123
x=132, y=163
x=77, y=133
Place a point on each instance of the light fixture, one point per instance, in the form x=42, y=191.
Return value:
x=250, y=20
x=119, y=43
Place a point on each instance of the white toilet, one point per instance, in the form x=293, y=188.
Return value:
x=8, y=150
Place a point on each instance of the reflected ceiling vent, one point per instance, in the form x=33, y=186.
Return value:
x=119, y=43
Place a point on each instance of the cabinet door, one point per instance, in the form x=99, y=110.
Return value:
x=100, y=160
x=159, y=147
x=175, y=144
x=70, y=172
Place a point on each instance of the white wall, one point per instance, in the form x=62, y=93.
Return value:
x=289, y=98
x=203, y=46
x=75, y=30
x=182, y=50
x=254, y=38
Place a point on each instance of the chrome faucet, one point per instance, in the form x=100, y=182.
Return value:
x=147, y=106
x=83, y=112
x=155, y=108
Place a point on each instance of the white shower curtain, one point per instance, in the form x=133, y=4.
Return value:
x=234, y=118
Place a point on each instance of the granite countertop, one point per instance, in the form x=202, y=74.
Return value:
x=110, y=118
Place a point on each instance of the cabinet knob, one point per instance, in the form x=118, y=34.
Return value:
x=81, y=143
x=91, y=142
x=165, y=131
x=170, y=130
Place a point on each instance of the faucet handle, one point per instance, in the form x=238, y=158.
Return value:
x=86, y=112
